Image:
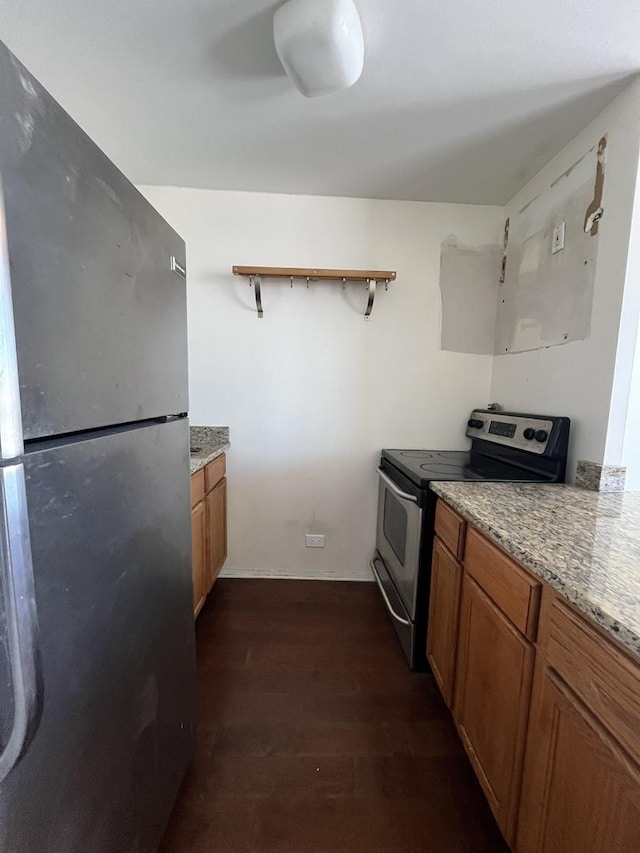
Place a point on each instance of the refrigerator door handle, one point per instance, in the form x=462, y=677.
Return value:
x=11, y=436
x=18, y=596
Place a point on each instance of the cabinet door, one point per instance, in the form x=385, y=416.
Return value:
x=217, y=531
x=581, y=792
x=199, y=564
x=493, y=692
x=444, y=610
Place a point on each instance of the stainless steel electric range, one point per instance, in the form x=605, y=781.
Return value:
x=505, y=447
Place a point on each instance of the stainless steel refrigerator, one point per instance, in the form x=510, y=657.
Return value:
x=97, y=657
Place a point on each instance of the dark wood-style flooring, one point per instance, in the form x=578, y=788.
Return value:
x=315, y=737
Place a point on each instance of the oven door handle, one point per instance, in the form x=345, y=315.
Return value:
x=404, y=495
x=392, y=612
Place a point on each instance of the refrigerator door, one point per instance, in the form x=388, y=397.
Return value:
x=110, y=540
x=99, y=294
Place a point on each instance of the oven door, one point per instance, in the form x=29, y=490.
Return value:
x=398, y=538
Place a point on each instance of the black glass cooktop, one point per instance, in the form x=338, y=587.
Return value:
x=424, y=466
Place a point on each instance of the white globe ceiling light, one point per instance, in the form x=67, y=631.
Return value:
x=320, y=44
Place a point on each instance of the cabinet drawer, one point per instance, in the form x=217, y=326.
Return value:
x=450, y=528
x=607, y=681
x=197, y=487
x=515, y=592
x=214, y=472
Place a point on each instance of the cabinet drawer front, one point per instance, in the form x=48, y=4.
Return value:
x=606, y=680
x=450, y=527
x=197, y=487
x=515, y=592
x=214, y=472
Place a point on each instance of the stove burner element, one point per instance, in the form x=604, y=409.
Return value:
x=442, y=468
x=417, y=454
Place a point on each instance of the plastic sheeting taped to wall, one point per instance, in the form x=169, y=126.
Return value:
x=469, y=290
x=546, y=298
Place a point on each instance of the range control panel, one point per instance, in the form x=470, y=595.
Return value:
x=526, y=432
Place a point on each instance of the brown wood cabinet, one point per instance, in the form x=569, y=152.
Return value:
x=444, y=609
x=515, y=592
x=552, y=729
x=493, y=692
x=199, y=559
x=209, y=527
x=450, y=528
x=216, y=502
x=581, y=790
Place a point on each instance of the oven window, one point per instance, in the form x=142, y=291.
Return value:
x=395, y=525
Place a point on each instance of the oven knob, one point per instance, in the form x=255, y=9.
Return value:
x=541, y=435
x=475, y=424
x=471, y=423
x=529, y=433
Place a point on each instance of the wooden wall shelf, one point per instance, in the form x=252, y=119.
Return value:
x=372, y=277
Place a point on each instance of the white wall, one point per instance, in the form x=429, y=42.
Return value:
x=576, y=379
x=312, y=392
x=623, y=436
x=631, y=447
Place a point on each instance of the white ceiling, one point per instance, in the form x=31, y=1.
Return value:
x=459, y=101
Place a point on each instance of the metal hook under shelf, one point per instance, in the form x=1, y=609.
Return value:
x=256, y=281
x=372, y=295
x=370, y=278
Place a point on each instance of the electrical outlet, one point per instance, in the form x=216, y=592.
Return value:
x=314, y=540
x=557, y=240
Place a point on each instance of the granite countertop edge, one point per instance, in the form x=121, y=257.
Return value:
x=198, y=462
x=629, y=638
x=213, y=441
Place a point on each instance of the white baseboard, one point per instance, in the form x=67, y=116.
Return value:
x=361, y=575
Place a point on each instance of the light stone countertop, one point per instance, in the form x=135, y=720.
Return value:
x=212, y=441
x=584, y=544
